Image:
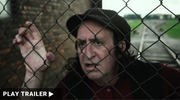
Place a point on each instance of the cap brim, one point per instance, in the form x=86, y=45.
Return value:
x=75, y=21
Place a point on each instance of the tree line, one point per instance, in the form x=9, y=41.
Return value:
x=152, y=16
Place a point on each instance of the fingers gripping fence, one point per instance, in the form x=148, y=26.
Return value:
x=149, y=41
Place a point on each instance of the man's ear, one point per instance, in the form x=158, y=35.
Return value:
x=122, y=45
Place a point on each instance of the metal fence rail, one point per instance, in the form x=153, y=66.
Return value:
x=50, y=17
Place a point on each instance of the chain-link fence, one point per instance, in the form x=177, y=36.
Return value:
x=50, y=18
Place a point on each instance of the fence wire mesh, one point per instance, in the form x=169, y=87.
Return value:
x=149, y=40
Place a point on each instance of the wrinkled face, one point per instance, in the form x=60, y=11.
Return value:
x=96, y=53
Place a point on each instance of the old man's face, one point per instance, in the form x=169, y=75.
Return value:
x=96, y=51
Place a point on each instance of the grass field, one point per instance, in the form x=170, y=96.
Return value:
x=174, y=32
x=133, y=24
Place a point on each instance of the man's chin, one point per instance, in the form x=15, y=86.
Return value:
x=94, y=75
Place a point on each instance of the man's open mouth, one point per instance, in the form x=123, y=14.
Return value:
x=91, y=64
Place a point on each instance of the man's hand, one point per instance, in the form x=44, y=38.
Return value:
x=36, y=58
x=32, y=48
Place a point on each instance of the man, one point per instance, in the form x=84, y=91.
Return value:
x=103, y=67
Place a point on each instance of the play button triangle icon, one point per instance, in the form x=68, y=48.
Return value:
x=50, y=93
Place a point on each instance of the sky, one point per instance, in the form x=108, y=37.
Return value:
x=142, y=7
x=3, y=13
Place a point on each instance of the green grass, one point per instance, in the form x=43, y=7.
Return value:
x=174, y=32
x=133, y=24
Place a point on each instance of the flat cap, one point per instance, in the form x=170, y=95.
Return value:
x=107, y=18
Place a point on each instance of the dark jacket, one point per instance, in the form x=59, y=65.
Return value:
x=145, y=80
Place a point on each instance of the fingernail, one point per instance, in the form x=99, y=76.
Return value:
x=20, y=30
x=18, y=40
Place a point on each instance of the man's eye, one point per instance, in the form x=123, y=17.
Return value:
x=98, y=43
x=81, y=45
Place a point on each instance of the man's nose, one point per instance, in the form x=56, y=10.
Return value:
x=89, y=51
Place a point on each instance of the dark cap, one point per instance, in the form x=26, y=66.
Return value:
x=107, y=18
